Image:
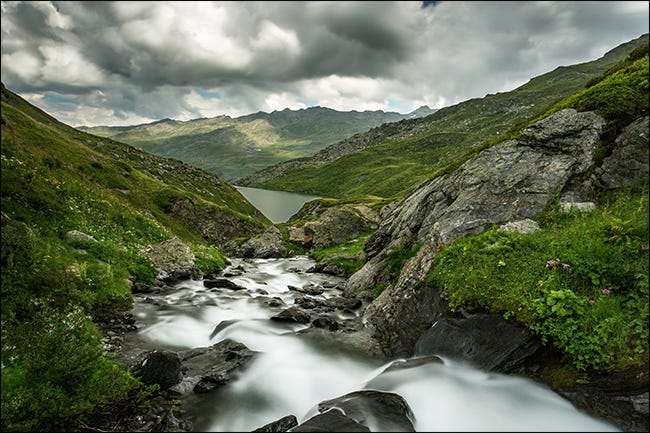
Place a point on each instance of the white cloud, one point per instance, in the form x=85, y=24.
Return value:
x=171, y=59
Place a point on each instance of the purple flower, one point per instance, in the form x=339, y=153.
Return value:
x=552, y=262
x=592, y=302
x=566, y=265
x=606, y=291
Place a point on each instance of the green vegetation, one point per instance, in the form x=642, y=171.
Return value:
x=234, y=148
x=400, y=156
x=56, y=179
x=347, y=256
x=581, y=282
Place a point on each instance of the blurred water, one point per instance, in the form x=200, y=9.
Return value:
x=292, y=375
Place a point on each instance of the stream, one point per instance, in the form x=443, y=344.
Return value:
x=292, y=374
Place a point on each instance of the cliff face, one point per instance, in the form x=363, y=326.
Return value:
x=510, y=181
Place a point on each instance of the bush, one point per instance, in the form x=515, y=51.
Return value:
x=54, y=373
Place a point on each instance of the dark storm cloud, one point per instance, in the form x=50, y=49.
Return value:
x=148, y=60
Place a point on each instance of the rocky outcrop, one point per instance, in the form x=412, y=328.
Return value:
x=216, y=225
x=628, y=163
x=335, y=225
x=510, y=181
x=265, y=246
x=172, y=259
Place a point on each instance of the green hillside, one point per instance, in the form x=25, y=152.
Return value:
x=399, y=156
x=235, y=147
x=56, y=179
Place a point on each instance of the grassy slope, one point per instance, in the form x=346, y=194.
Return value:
x=233, y=148
x=55, y=179
x=412, y=151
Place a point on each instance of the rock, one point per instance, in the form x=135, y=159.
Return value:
x=522, y=226
x=381, y=411
x=586, y=206
x=214, y=224
x=487, y=341
x=335, y=225
x=628, y=163
x=331, y=421
x=207, y=368
x=292, y=314
x=76, y=235
x=620, y=398
x=172, y=259
x=510, y=181
x=222, y=283
x=325, y=322
x=162, y=367
x=265, y=246
x=282, y=425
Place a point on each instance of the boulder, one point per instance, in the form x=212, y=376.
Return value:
x=487, y=341
x=510, y=181
x=162, y=367
x=265, y=246
x=375, y=410
x=207, y=368
x=335, y=225
x=331, y=421
x=292, y=314
x=76, y=235
x=172, y=259
x=281, y=425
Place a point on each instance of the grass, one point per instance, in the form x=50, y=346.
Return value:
x=585, y=285
x=56, y=179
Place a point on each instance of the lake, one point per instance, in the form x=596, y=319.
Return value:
x=278, y=206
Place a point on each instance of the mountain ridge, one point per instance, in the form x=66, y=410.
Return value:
x=232, y=147
x=392, y=158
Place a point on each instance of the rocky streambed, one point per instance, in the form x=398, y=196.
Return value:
x=267, y=345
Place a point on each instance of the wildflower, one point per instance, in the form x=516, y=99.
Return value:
x=606, y=291
x=592, y=302
x=566, y=265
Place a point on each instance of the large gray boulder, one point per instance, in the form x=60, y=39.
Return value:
x=510, y=181
x=265, y=246
x=172, y=259
x=334, y=226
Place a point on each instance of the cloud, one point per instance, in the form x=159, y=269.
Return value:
x=128, y=62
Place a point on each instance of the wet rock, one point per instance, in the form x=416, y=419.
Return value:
x=383, y=411
x=331, y=421
x=210, y=367
x=325, y=322
x=222, y=283
x=487, y=341
x=292, y=314
x=162, y=367
x=281, y=425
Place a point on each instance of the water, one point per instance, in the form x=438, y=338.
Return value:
x=278, y=206
x=293, y=374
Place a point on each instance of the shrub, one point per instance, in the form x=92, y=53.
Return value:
x=54, y=373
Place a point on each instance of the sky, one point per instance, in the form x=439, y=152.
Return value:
x=130, y=62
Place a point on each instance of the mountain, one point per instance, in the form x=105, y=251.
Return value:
x=235, y=147
x=393, y=158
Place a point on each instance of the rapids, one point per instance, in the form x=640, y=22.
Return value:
x=292, y=374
